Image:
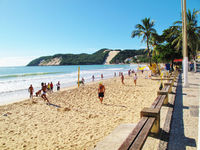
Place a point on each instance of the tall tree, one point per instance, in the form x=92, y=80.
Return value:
x=193, y=33
x=145, y=30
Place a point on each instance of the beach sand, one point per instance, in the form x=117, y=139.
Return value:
x=81, y=121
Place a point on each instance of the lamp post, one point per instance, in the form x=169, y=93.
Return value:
x=185, y=52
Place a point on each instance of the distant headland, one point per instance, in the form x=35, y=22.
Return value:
x=102, y=56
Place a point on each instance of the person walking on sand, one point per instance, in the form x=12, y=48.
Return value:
x=135, y=78
x=122, y=78
x=58, y=86
x=44, y=91
x=31, y=90
x=101, y=91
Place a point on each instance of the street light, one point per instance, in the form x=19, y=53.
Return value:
x=185, y=52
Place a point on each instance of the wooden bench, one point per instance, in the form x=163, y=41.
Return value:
x=150, y=122
x=166, y=90
x=137, y=137
x=154, y=111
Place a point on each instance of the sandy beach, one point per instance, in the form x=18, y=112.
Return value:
x=81, y=121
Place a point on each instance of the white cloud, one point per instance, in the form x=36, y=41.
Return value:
x=15, y=61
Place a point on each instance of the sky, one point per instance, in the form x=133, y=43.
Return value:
x=33, y=28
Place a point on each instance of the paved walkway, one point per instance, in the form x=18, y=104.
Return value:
x=184, y=126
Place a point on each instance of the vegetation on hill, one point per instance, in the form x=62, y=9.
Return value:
x=75, y=59
x=98, y=57
x=123, y=55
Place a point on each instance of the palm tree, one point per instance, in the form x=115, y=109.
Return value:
x=193, y=33
x=146, y=30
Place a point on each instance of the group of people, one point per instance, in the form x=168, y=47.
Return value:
x=101, y=90
x=44, y=89
x=129, y=73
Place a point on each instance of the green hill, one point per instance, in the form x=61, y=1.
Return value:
x=98, y=57
x=123, y=55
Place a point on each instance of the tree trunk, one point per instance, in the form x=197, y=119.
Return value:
x=195, y=64
x=148, y=51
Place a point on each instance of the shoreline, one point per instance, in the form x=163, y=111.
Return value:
x=15, y=90
x=55, y=91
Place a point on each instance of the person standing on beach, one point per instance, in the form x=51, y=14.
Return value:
x=101, y=76
x=51, y=85
x=101, y=91
x=129, y=72
x=122, y=78
x=31, y=90
x=58, y=86
x=83, y=81
x=44, y=91
x=48, y=87
x=93, y=78
x=114, y=74
x=135, y=78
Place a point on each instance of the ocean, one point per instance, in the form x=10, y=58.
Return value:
x=14, y=81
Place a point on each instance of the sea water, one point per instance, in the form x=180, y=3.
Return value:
x=14, y=81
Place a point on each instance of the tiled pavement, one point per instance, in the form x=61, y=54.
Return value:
x=184, y=126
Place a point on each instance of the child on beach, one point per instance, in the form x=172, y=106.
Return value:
x=135, y=78
x=31, y=90
x=101, y=91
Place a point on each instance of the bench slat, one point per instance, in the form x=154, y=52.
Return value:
x=160, y=103
x=167, y=88
x=126, y=144
x=156, y=102
x=139, y=142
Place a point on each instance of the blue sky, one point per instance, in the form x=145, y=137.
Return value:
x=34, y=28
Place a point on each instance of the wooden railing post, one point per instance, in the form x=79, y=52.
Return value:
x=152, y=112
x=166, y=97
x=170, y=86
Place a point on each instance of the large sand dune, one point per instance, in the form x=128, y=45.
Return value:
x=111, y=55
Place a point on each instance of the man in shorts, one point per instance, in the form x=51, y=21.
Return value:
x=101, y=91
x=44, y=91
